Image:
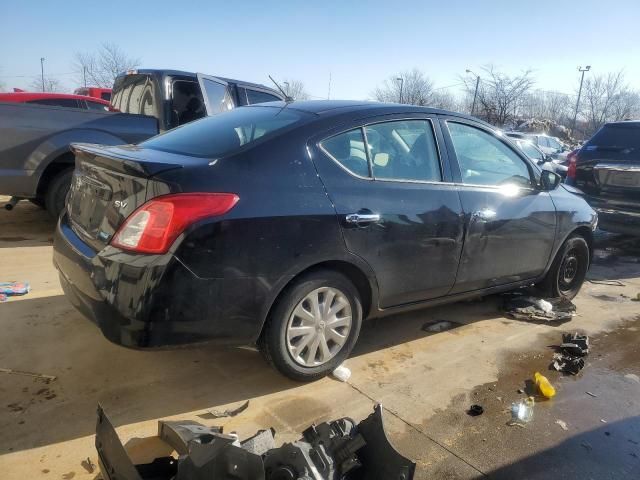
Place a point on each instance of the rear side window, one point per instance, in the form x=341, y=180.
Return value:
x=256, y=96
x=484, y=159
x=349, y=151
x=58, y=102
x=403, y=150
x=219, y=135
x=188, y=103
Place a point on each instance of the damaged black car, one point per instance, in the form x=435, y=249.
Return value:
x=286, y=224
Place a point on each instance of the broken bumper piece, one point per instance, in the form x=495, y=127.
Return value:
x=329, y=451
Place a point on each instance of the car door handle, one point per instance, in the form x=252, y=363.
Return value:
x=362, y=218
x=485, y=215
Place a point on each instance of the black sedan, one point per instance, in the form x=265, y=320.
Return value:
x=286, y=224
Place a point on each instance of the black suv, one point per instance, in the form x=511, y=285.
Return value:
x=607, y=169
x=286, y=224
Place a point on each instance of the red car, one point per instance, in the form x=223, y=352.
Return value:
x=96, y=92
x=56, y=100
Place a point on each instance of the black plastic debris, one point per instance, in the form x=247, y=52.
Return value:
x=340, y=449
x=572, y=350
x=523, y=307
x=475, y=410
x=575, y=344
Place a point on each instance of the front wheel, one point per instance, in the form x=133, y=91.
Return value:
x=568, y=271
x=313, y=326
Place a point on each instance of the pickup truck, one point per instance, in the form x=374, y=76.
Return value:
x=36, y=162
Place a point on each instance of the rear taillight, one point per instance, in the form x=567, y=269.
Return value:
x=154, y=226
x=571, y=169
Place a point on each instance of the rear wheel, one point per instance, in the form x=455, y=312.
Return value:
x=56, y=193
x=568, y=271
x=313, y=327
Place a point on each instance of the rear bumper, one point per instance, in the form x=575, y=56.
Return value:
x=146, y=301
x=618, y=221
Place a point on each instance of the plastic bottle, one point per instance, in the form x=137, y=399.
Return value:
x=544, y=385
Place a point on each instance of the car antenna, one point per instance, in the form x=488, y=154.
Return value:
x=287, y=98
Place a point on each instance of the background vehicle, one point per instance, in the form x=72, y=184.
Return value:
x=36, y=162
x=285, y=225
x=96, y=92
x=549, y=145
x=56, y=100
x=35, y=155
x=607, y=169
x=543, y=160
x=175, y=97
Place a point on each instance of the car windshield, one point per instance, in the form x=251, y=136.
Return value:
x=221, y=134
x=530, y=150
x=616, y=136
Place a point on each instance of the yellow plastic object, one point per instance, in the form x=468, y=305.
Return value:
x=544, y=385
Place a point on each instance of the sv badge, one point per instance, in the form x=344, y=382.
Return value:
x=120, y=204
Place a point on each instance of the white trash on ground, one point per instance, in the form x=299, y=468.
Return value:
x=341, y=373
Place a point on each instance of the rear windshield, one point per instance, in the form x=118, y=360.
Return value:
x=221, y=134
x=618, y=136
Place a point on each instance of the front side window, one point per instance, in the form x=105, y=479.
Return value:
x=217, y=96
x=188, y=103
x=97, y=106
x=348, y=150
x=403, y=150
x=484, y=159
x=530, y=150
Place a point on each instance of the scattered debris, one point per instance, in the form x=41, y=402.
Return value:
x=613, y=283
x=338, y=449
x=211, y=414
x=475, y=410
x=520, y=390
x=341, y=373
x=591, y=394
x=9, y=289
x=522, y=412
x=42, y=376
x=522, y=307
x=544, y=385
x=573, y=347
x=576, y=345
x=88, y=465
x=632, y=376
x=563, y=425
x=567, y=364
x=602, y=420
x=438, y=326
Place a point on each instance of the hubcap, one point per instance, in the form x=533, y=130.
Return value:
x=569, y=271
x=318, y=327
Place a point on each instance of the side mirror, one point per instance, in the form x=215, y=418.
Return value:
x=549, y=180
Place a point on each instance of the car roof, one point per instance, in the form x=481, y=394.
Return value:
x=28, y=96
x=182, y=73
x=632, y=123
x=339, y=107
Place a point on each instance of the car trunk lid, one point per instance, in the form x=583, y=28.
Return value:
x=109, y=183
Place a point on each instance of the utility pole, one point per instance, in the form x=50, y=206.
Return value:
x=575, y=115
x=475, y=93
x=84, y=75
x=42, y=71
x=401, y=80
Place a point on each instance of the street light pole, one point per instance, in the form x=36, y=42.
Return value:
x=401, y=80
x=84, y=75
x=475, y=93
x=42, y=71
x=575, y=115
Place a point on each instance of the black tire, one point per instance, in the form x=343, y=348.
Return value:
x=273, y=343
x=568, y=270
x=56, y=194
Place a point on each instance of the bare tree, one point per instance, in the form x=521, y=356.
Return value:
x=100, y=68
x=412, y=87
x=444, y=100
x=295, y=89
x=499, y=95
x=51, y=85
x=608, y=98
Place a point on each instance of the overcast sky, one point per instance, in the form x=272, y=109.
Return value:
x=358, y=43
